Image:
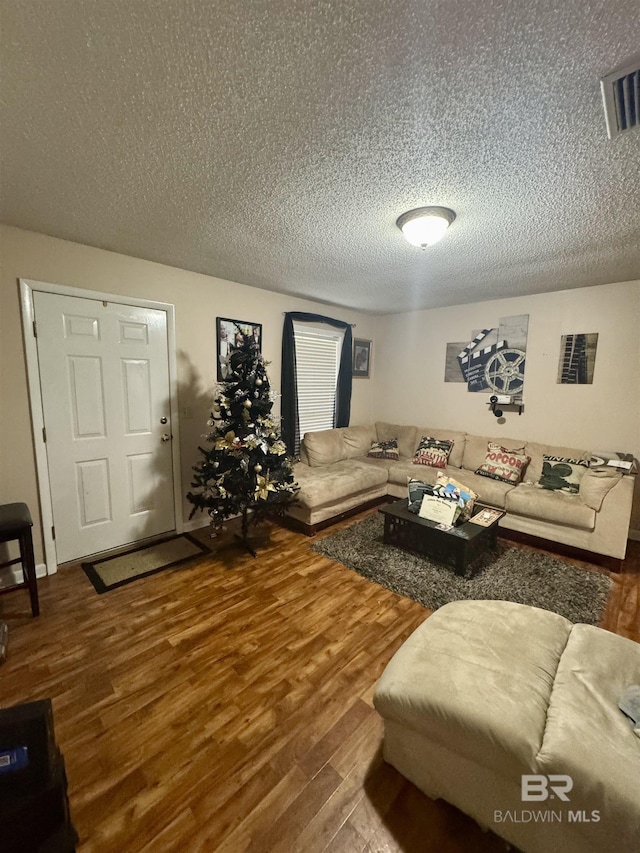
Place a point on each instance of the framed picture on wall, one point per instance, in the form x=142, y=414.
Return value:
x=361, y=365
x=229, y=337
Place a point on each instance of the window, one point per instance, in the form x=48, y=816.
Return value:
x=318, y=354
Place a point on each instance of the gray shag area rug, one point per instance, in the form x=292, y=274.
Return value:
x=506, y=573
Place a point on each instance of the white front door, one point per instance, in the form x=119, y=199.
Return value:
x=104, y=375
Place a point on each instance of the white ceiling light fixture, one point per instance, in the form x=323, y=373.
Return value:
x=424, y=226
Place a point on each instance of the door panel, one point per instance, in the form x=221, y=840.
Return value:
x=104, y=373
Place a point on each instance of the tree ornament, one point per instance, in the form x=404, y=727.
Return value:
x=257, y=468
x=247, y=404
x=258, y=382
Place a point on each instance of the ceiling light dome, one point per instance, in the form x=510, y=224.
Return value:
x=424, y=226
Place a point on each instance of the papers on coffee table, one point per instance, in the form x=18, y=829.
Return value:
x=486, y=517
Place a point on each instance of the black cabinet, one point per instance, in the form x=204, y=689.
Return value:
x=34, y=810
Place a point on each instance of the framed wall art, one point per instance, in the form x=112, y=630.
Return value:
x=361, y=358
x=229, y=337
x=577, y=358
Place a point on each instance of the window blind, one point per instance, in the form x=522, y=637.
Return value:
x=317, y=364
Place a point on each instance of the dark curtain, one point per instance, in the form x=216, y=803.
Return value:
x=290, y=425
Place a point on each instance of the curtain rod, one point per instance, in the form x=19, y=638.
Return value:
x=353, y=325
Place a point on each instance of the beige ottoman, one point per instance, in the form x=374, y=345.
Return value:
x=486, y=692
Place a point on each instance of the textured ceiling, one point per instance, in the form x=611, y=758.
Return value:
x=275, y=142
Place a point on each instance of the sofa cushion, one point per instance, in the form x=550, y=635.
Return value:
x=536, y=451
x=475, y=449
x=357, y=440
x=557, y=507
x=562, y=473
x=401, y=472
x=324, y=447
x=503, y=464
x=384, y=449
x=331, y=483
x=433, y=452
x=405, y=436
x=596, y=485
x=458, y=439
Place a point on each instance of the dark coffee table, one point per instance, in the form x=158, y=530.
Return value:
x=456, y=548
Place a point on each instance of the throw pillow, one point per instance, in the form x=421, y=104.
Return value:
x=560, y=474
x=468, y=495
x=384, y=449
x=417, y=490
x=433, y=451
x=502, y=464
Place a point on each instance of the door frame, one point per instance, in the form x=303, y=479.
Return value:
x=27, y=289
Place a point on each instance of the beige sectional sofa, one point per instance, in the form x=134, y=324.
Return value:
x=336, y=476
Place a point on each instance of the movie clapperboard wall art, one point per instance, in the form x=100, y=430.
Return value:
x=493, y=361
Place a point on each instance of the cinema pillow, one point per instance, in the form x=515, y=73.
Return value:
x=562, y=474
x=384, y=449
x=433, y=452
x=502, y=464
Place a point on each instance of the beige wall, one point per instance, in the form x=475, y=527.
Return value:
x=407, y=382
x=410, y=359
x=198, y=299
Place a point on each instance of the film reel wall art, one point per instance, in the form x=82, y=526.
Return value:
x=493, y=362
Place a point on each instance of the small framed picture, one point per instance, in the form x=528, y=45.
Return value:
x=361, y=358
x=229, y=337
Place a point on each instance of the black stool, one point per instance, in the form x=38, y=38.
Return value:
x=16, y=523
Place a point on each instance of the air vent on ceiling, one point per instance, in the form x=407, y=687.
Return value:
x=621, y=97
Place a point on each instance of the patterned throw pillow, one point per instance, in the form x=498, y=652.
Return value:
x=502, y=464
x=433, y=451
x=384, y=449
x=560, y=474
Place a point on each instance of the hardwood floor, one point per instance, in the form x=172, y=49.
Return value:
x=226, y=705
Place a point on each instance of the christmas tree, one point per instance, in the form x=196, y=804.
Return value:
x=246, y=471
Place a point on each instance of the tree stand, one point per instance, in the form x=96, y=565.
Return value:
x=243, y=536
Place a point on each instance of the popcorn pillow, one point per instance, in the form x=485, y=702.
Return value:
x=433, y=451
x=502, y=464
x=384, y=449
x=560, y=474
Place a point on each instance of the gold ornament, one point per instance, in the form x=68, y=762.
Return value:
x=263, y=487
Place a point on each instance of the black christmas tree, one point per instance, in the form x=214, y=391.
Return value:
x=246, y=471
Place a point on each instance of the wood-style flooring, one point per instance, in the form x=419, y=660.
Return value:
x=226, y=705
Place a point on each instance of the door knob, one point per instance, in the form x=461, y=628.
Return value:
x=163, y=420
x=166, y=437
